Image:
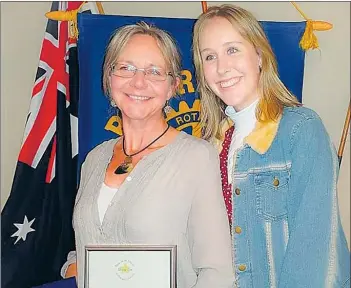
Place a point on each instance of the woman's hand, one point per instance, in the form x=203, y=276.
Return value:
x=71, y=270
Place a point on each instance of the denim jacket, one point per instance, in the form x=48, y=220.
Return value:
x=286, y=225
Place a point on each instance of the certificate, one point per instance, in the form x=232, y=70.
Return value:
x=130, y=266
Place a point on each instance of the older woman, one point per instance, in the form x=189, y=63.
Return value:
x=279, y=167
x=154, y=185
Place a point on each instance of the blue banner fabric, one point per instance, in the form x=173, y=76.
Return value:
x=97, y=121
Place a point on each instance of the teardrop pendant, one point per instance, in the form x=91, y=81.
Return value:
x=125, y=167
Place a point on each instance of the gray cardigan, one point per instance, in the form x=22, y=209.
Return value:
x=173, y=196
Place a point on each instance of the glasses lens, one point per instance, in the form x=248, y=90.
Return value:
x=128, y=71
x=155, y=74
x=124, y=70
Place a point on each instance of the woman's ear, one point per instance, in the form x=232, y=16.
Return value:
x=259, y=54
x=175, y=87
x=109, y=84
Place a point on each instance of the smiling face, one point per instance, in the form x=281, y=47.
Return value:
x=230, y=63
x=137, y=97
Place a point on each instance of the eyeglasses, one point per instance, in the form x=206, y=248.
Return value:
x=128, y=71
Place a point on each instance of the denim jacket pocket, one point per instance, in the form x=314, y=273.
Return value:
x=271, y=193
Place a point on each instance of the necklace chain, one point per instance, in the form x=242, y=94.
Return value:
x=127, y=164
x=131, y=155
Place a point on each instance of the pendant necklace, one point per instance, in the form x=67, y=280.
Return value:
x=127, y=164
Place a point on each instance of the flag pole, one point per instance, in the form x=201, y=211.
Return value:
x=344, y=134
x=100, y=8
x=204, y=6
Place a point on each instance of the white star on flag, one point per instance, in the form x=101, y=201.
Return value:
x=23, y=229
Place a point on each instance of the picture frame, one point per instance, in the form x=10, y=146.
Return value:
x=130, y=266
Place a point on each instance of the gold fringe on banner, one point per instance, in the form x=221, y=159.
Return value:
x=309, y=39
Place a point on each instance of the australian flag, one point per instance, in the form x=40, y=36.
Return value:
x=36, y=221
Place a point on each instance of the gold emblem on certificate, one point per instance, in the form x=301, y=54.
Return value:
x=125, y=270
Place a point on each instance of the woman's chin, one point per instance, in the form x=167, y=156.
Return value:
x=136, y=115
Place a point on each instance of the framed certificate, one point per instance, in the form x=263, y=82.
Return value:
x=130, y=266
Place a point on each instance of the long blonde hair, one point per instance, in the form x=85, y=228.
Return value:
x=273, y=93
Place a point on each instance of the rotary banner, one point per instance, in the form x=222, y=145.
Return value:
x=97, y=119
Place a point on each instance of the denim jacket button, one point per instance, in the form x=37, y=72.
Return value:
x=242, y=267
x=237, y=191
x=237, y=229
x=276, y=182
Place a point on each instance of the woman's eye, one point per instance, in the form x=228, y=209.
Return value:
x=209, y=57
x=155, y=72
x=126, y=67
x=232, y=50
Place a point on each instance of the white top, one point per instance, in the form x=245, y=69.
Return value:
x=244, y=122
x=105, y=196
x=174, y=197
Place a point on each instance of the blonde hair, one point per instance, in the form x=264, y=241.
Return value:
x=273, y=93
x=122, y=35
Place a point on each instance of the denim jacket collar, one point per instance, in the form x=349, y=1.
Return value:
x=260, y=139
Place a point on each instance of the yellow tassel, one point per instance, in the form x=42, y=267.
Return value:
x=70, y=16
x=62, y=15
x=322, y=26
x=309, y=40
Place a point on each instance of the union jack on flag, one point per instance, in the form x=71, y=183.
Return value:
x=52, y=76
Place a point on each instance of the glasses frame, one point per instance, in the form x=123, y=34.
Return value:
x=135, y=70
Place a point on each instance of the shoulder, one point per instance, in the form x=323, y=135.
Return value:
x=103, y=149
x=199, y=149
x=303, y=123
x=294, y=118
x=299, y=114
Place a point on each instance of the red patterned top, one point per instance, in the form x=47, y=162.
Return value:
x=226, y=187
